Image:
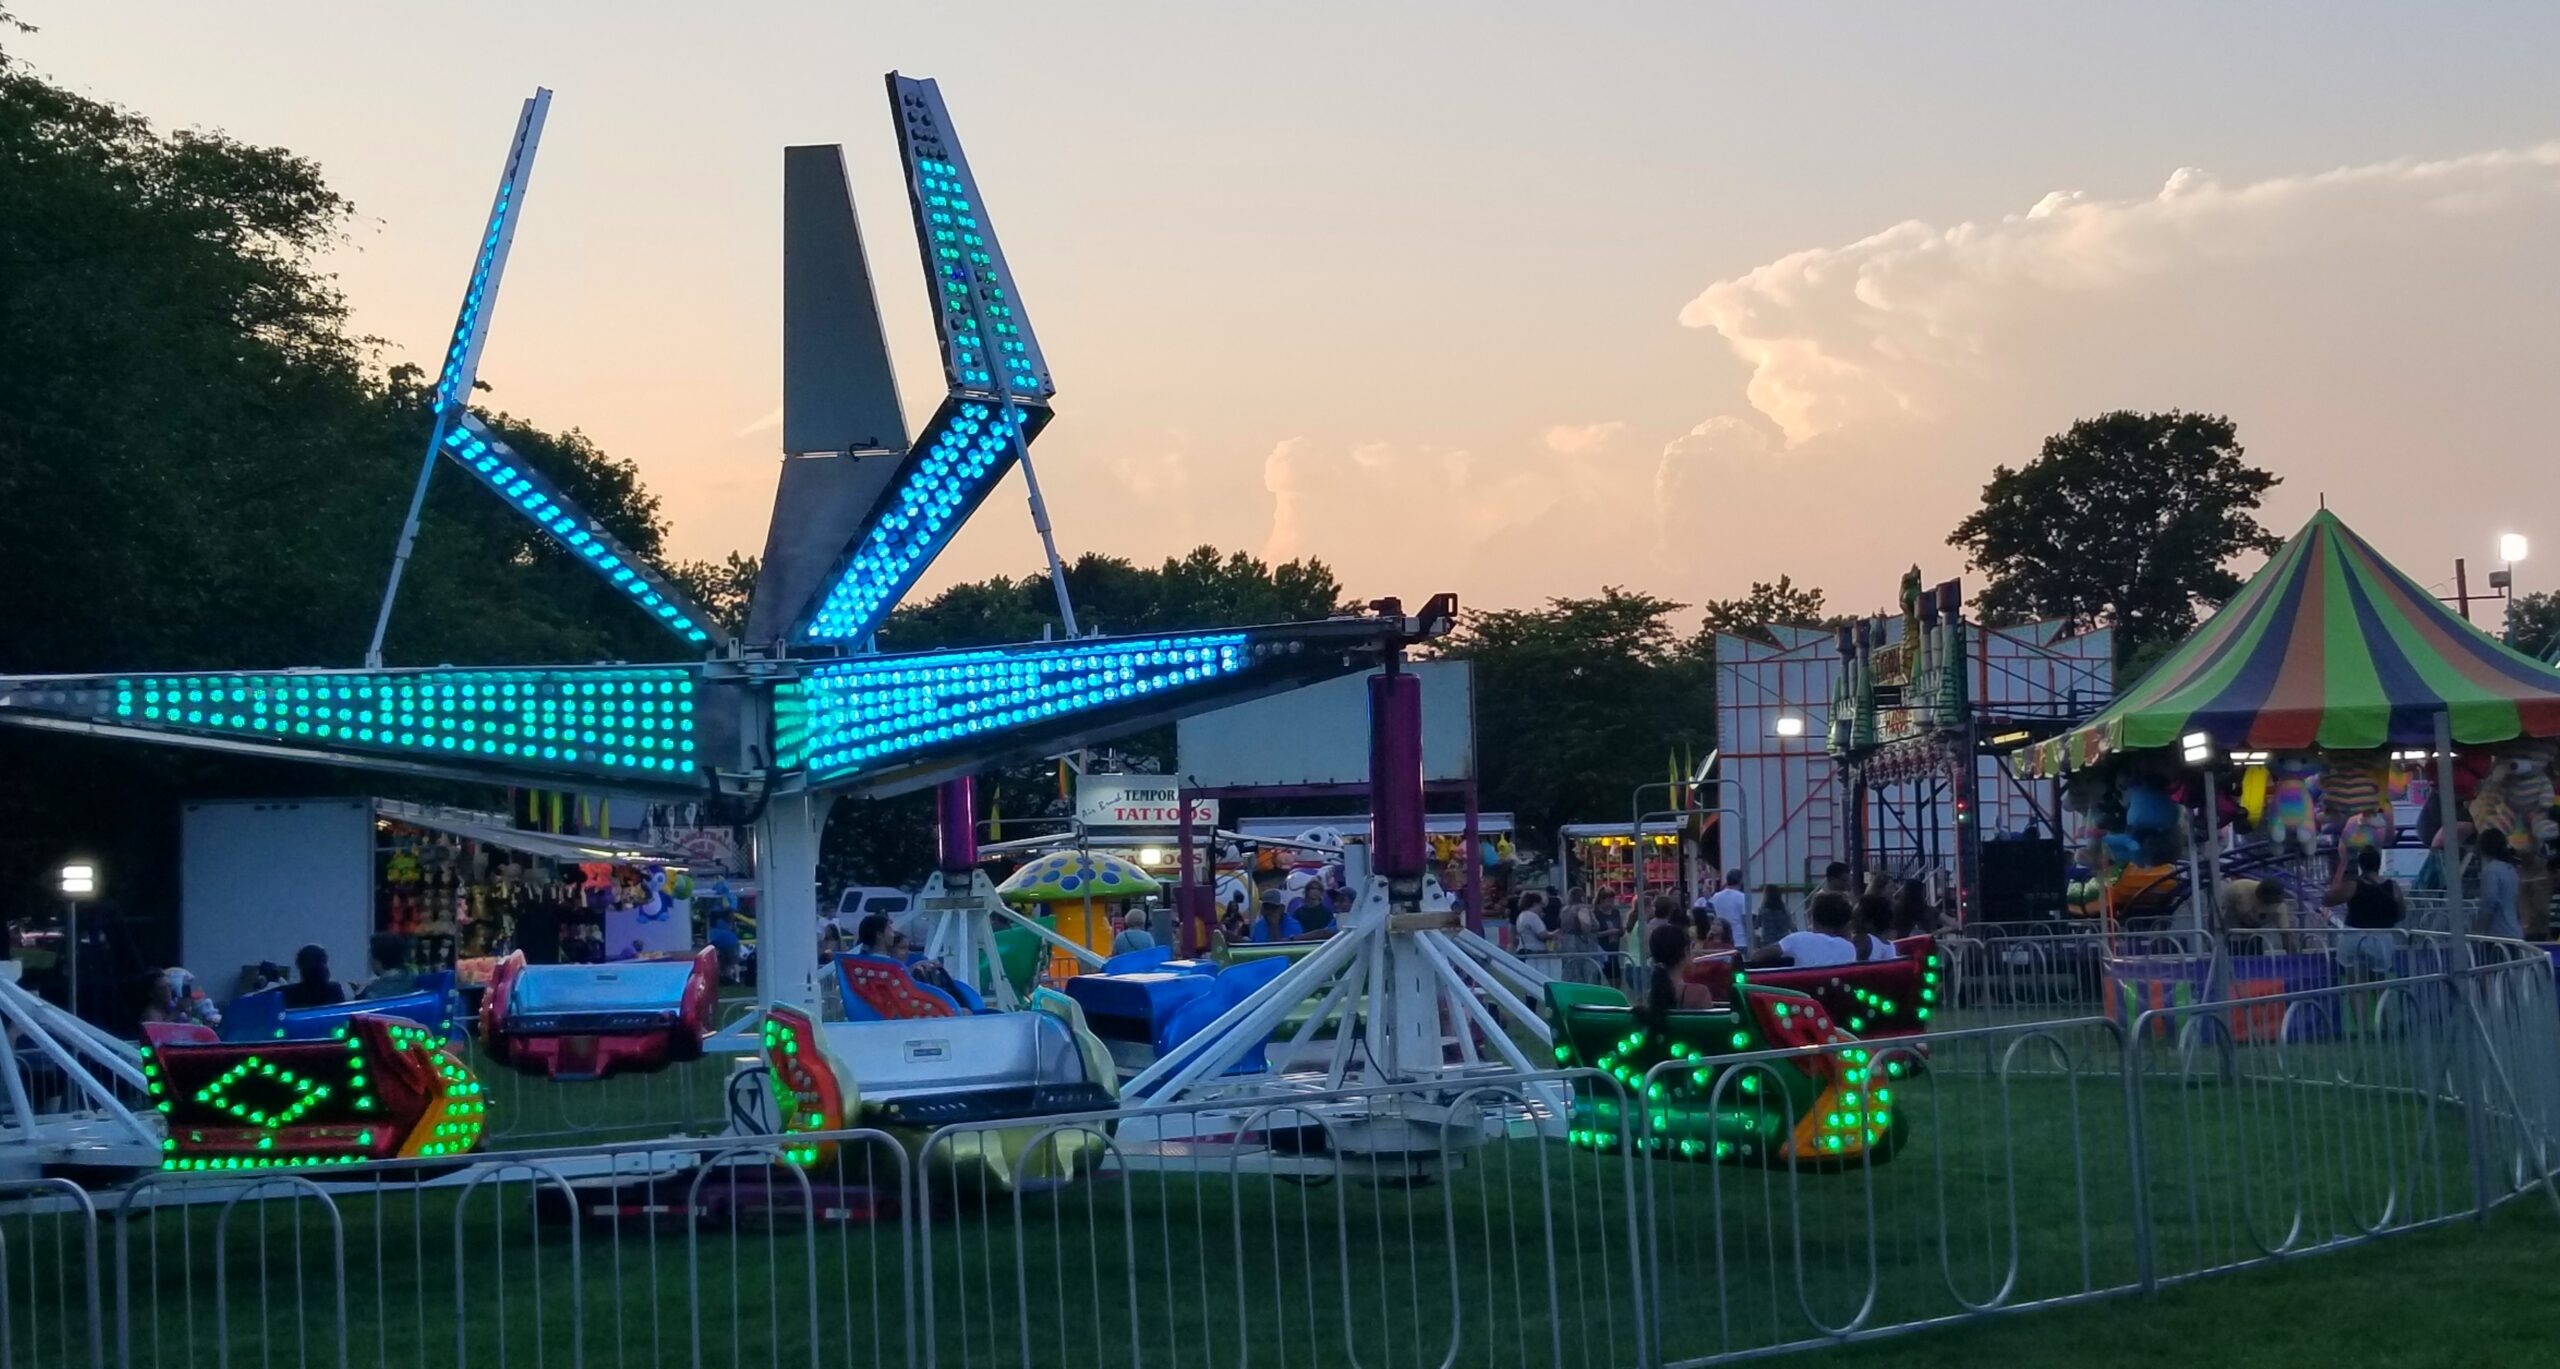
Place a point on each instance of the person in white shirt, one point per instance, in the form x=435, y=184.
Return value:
x=1828, y=942
x=1732, y=907
x=1529, y=926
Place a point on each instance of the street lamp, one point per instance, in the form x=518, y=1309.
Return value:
x=2511, y=549
x=79, y=882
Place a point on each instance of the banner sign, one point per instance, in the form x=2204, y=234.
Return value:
x=1138, y=801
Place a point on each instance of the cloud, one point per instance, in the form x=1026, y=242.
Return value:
x=770, y=423
x=1574, y=439
x=1289, y=494
x=1910, y=323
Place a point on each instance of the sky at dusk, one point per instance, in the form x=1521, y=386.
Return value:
x=1513, y=300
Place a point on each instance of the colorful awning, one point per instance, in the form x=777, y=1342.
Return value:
x=2329, y=647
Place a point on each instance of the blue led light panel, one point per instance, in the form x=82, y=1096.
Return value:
x=987, y=343
x=514, y=479
x=859, y=715
x=962, y=453
x=471, y=327
x=615, y=722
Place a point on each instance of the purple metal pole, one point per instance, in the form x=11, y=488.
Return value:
x=955, y=825
x=1189, y=938
x=1397, y=847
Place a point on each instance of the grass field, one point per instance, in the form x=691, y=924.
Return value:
x=2011, y=1191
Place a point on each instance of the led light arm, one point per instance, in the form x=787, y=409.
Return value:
x=461, y=365
x=629, y=724
x=957, y=460
x=987, y=344
x=482, y=453
x=999, y=384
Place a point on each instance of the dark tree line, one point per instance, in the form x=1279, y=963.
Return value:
x=201, y=466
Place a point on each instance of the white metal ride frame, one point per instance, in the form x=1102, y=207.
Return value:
x=961, y=934
x=92, y=1126
x=1404, y=990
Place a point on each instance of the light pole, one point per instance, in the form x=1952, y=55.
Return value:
x=2197, y=750
x=2511, y=549
x=79, y=883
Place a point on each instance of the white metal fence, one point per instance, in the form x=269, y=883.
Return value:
x=2089, y=1153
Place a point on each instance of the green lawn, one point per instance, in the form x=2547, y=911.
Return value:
x=1525, y=1254
x=2459, y=1297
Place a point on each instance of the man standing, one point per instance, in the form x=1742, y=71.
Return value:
x=1732, y=908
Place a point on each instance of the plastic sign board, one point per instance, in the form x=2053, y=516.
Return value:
x=1137, y=801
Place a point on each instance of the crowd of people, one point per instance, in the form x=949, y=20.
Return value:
x=1592, y=927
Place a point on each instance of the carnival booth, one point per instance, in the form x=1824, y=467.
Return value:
x=1605, y=855
x=2332, y=704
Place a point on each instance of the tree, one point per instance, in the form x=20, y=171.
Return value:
x=1752, y=614
x=2536, y=618
x=201, y=468
x=1203, y=589
x=722, y=587
x=1579, y=702
x=2128, y=521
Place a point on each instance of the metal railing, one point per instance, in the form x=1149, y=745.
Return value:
x=2093, y=1153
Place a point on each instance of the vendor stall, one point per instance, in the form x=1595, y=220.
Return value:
x=2284, y=715
x=1602, y=856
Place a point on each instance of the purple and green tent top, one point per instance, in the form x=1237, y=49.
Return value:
x=2328, y=647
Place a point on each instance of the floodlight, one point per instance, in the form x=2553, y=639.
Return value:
x=2511, y=547
x=2197, y=748
x=79, y=880
x=1789, y=725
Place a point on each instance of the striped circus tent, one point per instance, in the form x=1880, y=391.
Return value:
x=2329, y=647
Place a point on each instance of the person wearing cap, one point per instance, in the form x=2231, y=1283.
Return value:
x=1275, y=924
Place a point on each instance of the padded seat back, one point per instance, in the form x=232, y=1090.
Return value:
x=878, y=989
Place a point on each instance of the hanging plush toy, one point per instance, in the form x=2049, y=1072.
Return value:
x=2294, y=803
x=2355, y=783
x=596, y=878
x=2148, y=809
x=2084, y=895
x=2254, y=784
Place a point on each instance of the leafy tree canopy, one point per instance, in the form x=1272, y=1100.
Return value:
x=1752, y=614
x=1580, y=701
x=201, y=468
x=2128, y=521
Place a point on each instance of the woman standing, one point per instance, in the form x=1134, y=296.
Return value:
x=1772, y=922
x=2499, y=882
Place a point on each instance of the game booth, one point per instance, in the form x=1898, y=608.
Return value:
x=2306, y=737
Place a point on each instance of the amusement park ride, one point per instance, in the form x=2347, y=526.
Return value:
x=770, y=725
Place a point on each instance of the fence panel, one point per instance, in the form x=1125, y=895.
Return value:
x=1386, y=1229
x=740, y=1253
x=51, y=1309
x=1436, y=1223
x=2004, y=1193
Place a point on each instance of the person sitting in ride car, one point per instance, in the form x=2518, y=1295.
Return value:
x=1831, y=940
